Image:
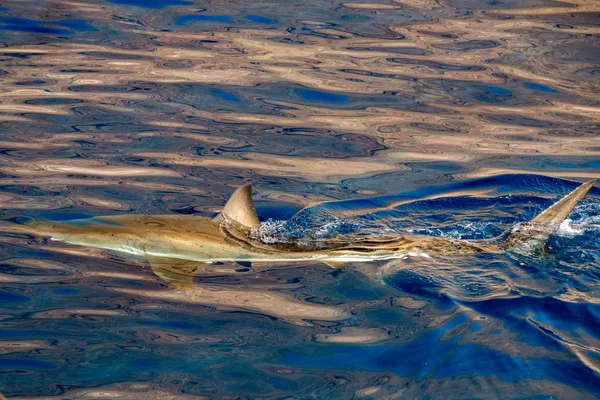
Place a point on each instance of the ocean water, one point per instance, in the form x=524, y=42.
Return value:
x=352, y=119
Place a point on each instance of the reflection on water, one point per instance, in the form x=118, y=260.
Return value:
x=437, y=116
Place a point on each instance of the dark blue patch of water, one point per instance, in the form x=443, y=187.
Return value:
x=568, y=165
x=18, y=363
x=48, y=27
x=152, y=3
x=29, y=25
x=498, y=91
x=540, y=87
x=321, y=96
x=281, y=383
x=404, y=359
x=556, y=313
x=430, y=355
x=486, y=362
x=6, y=297
x=36, y=253
x=278, y=211
x=67, y=216
x=223, y=95
x=259, y=19
x=21, y=333
x=184, y=19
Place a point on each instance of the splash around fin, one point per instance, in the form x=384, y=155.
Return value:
x=240, y=208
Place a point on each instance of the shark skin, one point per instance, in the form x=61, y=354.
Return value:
x=178, y=247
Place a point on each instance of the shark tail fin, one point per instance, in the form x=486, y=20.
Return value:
x=531, y=237
x=240, y=208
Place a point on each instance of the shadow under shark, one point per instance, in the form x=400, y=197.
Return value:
x=179, y=247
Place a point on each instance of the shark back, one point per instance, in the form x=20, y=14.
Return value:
x=531, y=237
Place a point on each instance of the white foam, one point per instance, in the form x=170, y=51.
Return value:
x=327, y=229
x=566, y=229
x=268, y=232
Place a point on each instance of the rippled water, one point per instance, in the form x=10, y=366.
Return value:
x=433, y=117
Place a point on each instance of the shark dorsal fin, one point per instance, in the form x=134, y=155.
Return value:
x=240, y=208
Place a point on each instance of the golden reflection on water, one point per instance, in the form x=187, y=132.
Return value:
x=417, y=84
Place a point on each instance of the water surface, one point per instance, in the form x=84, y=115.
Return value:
x=431, y=117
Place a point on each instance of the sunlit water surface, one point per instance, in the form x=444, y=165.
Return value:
x=431, y=117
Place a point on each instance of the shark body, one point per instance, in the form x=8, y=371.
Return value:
x=178, y=247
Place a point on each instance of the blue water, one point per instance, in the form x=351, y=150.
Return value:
x=11, y=298
x=432, y=356
x=67, y=216
x=539, y=86
x=498, y=91
x=223, y=95
x=260, y=20
x=9, y=364
x=44, y=27
x=320, y=96
x=184, y=19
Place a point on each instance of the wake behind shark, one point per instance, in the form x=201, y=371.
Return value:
x=179, y=247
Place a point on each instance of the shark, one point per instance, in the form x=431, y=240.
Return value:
x=178, y=247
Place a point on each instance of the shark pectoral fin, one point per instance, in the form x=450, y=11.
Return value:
x=173, y=270
x=335, y=264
